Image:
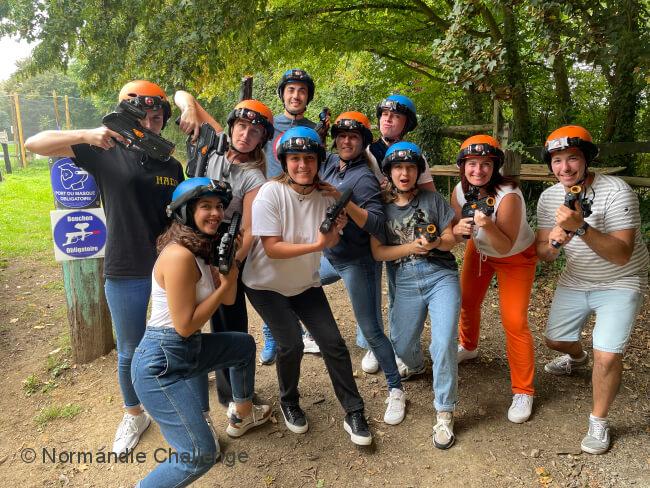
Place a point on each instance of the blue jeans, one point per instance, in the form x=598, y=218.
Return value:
x=362, y=280
x=127, y=301
x=421, y=285
x=164, y=368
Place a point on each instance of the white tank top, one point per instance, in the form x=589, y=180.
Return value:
x=160, y=316
x=525, y=237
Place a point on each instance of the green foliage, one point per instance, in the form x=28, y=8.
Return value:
x=25, y=203
x=32, y=384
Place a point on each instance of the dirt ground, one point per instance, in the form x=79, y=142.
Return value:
x=489, y=451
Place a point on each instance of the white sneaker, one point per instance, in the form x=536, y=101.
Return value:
x=129, y=431
x=237, y=426
x=465, y=355
x=521, y=408
x=564, y=364
x=396, y=406
x=443, y=431
x=369, y=363
x=310, y=344
x=405, y=372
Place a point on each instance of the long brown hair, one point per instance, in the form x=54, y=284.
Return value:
x=198, y=243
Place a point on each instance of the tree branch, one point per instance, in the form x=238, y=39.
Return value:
x=431, y=15
x=411, y=64
x=329, y=10
x=491, y=22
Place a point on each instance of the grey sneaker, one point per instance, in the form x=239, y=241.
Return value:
x=563, y=365
x=443, y=431
x=129, y=431
x=597, y=439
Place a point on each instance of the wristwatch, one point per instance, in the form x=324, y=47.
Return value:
x=582, y=230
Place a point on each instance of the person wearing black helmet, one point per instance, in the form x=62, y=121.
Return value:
x=135, y=190
x=282, y=279
x=295, y=90
x=174, y=357
x=606, y=271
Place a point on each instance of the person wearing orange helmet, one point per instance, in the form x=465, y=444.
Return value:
x=243, y=166
x=500, y=242
x=595, y=219
x=351, y=259
x=135, y=190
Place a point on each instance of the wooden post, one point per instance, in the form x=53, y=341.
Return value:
x=67, y=112
x=5, y=152
x=91, y=330
x=512, y=163
x=56, y=110
x=20, y=131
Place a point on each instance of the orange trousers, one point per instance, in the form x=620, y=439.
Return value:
x=515, y=275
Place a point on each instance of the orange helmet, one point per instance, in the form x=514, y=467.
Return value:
x=481, y=145
x=146, y=95
x=569, y=136
x=256, y=113
x=353, y=121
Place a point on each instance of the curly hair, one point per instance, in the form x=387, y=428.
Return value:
x=199, y=244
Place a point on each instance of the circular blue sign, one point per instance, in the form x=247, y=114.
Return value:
x=73, y=187
x=80, y=234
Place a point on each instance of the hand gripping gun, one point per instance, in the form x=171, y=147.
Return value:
x=225, y=253
x=198, y=153
x=126, y=122
x=335, y=210
x=474, y=203
x=570, y=199
x=422, y=228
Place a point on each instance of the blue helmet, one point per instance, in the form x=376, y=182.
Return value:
x=300, y=139
x=296, y=76
x=403, y=152
x=193, y=189
x=402, y=105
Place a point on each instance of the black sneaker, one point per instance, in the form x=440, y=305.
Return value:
x=355, y=424
x=294, y=418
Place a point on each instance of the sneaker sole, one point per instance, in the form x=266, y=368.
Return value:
x=397, y=422
x=267, y=362
x=369, y=370
x=296, y=429
x=357, y=439
x=240, y=431
x=311, y=350
x=589, y=450
x=517, y=420
x=132, y=445
x=412, y=374
x=445, y=446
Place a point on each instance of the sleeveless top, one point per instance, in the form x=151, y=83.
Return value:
x=525, y=237
x=160, y=316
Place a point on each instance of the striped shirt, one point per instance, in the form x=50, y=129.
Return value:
x=615, y=207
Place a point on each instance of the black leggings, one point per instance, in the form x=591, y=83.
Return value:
x=312, y=308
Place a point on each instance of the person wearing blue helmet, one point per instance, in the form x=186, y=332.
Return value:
x=417, y=239
x=295, y=90
x=185, y=292
x=351, y=259
x=396, y=117
x=282, y=279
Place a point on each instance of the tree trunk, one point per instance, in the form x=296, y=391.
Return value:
x=476, y=113
x=515, y=77
x=565, y=107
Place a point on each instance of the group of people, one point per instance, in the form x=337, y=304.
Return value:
x=279, y=176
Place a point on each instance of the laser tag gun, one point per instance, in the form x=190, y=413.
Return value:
x=474, y=203
x=570, y=199
x=246, y=88
x=321, y=124
x=226, y=250
x=422, y=228
x=198, y=153
x=126, y=122
x=335, y=210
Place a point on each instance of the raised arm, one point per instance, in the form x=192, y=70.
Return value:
x=193, y=114
x=60, y=142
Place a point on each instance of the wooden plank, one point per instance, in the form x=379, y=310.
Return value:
x=604, y=150
x=528, y=171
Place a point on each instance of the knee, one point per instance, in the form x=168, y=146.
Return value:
x=607, y=361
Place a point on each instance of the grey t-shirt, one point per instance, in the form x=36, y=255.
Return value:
x=400, y=224
x=243, y=177
x=281, y=123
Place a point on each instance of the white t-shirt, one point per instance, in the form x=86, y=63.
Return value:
x=243, y=177
x=615, y=207
x=525, y=237
x=278, y=210
x=160, y=316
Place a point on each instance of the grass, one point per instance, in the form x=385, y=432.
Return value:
x=53, y=412
x=25, y=203
x=32, y=385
